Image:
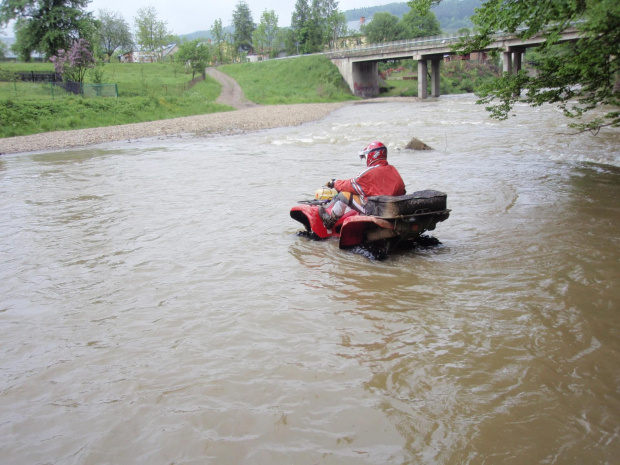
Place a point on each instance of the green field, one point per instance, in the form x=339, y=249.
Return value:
x=146, y=92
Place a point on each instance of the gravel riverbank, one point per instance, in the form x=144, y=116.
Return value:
x=233, y=122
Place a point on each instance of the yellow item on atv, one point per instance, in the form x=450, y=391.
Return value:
x=325, y=193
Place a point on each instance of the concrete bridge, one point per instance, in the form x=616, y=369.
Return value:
x=360, y=69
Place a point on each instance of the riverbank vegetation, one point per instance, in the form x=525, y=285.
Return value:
x=308, y=79
x=146, y=92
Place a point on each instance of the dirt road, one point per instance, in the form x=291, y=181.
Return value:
x=232, y=94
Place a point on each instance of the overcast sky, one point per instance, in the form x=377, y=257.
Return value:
x=186, y=16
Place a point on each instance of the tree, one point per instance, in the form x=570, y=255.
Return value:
x=46, y=26
x=113, y=32
x=419, y=22
x=195, y=54
x=244, y=27
x=315, y=27
x=219, y=36
x=384, y=27
x=151, y=33
x=316, y=24
x=299, y=20
x=265, y=34
x=73, y=64
x=336, y=27
x=578, y=77
x=289, y=39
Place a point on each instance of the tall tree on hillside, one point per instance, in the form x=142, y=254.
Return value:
x=266, y=32
x=113, y=32
x=244, y=27
x=219, y=38
x=46, y=26
x=419, y=22
x=151, y=33
x=299, y=20
x=315, y=26
x=384, y=27
x=578, y=76
x=336, y=23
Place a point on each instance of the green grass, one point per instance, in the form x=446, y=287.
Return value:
x=147, y=92
x=32, y=116
x=307, y=79
x=133, y=79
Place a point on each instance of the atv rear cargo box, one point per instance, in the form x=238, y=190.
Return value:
x=412, y=204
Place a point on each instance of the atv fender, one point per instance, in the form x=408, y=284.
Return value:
x=360, y=229
x=308, y=215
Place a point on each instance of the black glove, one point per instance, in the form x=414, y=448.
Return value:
x=330, y=184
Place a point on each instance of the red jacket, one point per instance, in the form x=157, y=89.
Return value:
x=380, y=179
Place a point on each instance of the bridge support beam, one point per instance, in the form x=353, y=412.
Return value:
x=507, y=62
x=435, y=91
x=422, y=79
x=512, y=60
x=516, y=60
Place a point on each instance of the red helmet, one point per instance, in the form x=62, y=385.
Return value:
x=374, y=152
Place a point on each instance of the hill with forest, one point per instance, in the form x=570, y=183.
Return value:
x=451, y=14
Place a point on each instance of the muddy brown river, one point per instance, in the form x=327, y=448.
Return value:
x=157, y=306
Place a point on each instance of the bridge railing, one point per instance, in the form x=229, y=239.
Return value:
x=441, y=40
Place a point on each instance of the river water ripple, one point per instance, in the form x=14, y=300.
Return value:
x=157, y=306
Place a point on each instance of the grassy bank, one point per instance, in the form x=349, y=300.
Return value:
x=147, y=92
x=306, y=79
x=32, y=117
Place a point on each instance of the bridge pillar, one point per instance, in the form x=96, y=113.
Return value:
x=435, y=91
x=422, y=79
x=512, y=60
x=516, y=60
x=507, y=61
x=423, y=76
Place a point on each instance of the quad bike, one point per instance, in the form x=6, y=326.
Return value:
x=388, y=222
